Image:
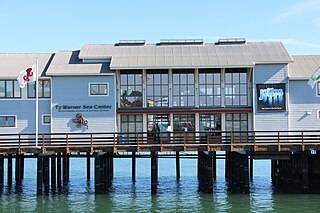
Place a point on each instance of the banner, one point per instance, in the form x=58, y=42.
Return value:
x=271, y=97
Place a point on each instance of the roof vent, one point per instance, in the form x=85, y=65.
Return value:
x=131, y=43
x=231, y=41
x=180, y=42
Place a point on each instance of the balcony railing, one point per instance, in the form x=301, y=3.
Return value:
x=162, y=141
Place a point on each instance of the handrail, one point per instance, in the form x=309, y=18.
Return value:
x=190, y=140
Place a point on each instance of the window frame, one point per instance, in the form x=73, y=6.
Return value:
x=14, y=85
x=206, y=95
x=233, y=84
x=182, y=87
x=42, y=119
x=41, y=95
x=318, y=89
x=15, y=121
x=99, y=84
x=157, y=86
x=133, y=81
x=318, y=114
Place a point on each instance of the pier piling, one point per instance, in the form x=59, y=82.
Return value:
x=9, y=170
x=154, y=172
x=1, y=171
x=178, y=165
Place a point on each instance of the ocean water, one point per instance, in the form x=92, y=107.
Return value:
x=173, y=195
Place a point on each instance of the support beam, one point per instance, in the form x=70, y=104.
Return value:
x=133, y=167
x=53, y=172
x=17, y=170
x=177, y=165
x=64, y=168
x=46, y=175
x=59, y=170
x=251, y=168
x=1, y=171
x=88, y=165
x=154, y=172
x=9, y=170
x=305, y=172
x=39, y=175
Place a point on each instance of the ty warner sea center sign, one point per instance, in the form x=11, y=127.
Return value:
x=271, y=97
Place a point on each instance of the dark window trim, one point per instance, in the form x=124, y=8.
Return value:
x=13, y=91
x=7, y=116
x=98, y=84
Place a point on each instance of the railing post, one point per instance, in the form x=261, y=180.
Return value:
x=302, y=141
x=67, y=143
x=19, y=151
x=279, y=141
x=138, y=147
x=43, y=147
x=231, y=141
x=184, y=141
x=254, y=141
x=91, y=143
x=161, y=142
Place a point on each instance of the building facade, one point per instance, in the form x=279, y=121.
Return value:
x=171, y=86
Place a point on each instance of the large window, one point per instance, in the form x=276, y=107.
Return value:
x=131, y=123
x=158, y=123
x=98, y=89
x=9, y=89
x=183, y=122
x=210, y=122
x=44, y=90
x=157, y=88
x=209, y=87
x=131, y=88
x=132, y=126
x=236, y=88
x=7, y=121
x=237, y=122
x=183, y=88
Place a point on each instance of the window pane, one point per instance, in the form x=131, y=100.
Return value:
x=9, y=89
x=17, y=89
x=47, y=89
x=94, y=89
x=31, y=90
x=3, y=121
x=2, y=89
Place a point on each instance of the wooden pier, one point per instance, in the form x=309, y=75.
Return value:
x=295, y=157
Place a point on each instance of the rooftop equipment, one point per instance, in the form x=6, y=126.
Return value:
x=231, y=41
x=181, y=42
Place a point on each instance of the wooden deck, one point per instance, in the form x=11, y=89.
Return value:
x=254, y=141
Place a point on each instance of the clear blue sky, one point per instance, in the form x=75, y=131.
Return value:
x=49, y=26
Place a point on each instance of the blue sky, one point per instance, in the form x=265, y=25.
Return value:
x=49, y=26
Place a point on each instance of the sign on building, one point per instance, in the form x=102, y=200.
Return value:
x=271, y=97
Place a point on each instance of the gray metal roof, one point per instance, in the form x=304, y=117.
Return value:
x=68, y=63
x=187, y=56
x=12, y=63
x=303, y=66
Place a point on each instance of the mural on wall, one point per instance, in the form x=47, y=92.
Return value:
x=80, y=121
x=271, y=97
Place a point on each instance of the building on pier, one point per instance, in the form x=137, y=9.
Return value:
x=173, y=85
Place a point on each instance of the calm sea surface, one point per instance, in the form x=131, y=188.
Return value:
x=172, y=196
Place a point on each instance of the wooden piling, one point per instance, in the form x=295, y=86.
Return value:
x=39, y=175
x=1, y=171
x=59, y=170
x=64, y=168
x=88, y=165
x=53, y=172
x=177, y=165
x=305, y=172
x=154, y=172
x=251, y=167
x=17, y=169
x=133, y=167
x=9, y=169
x=46, y=174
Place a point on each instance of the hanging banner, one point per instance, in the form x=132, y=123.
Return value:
x=271, y=97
